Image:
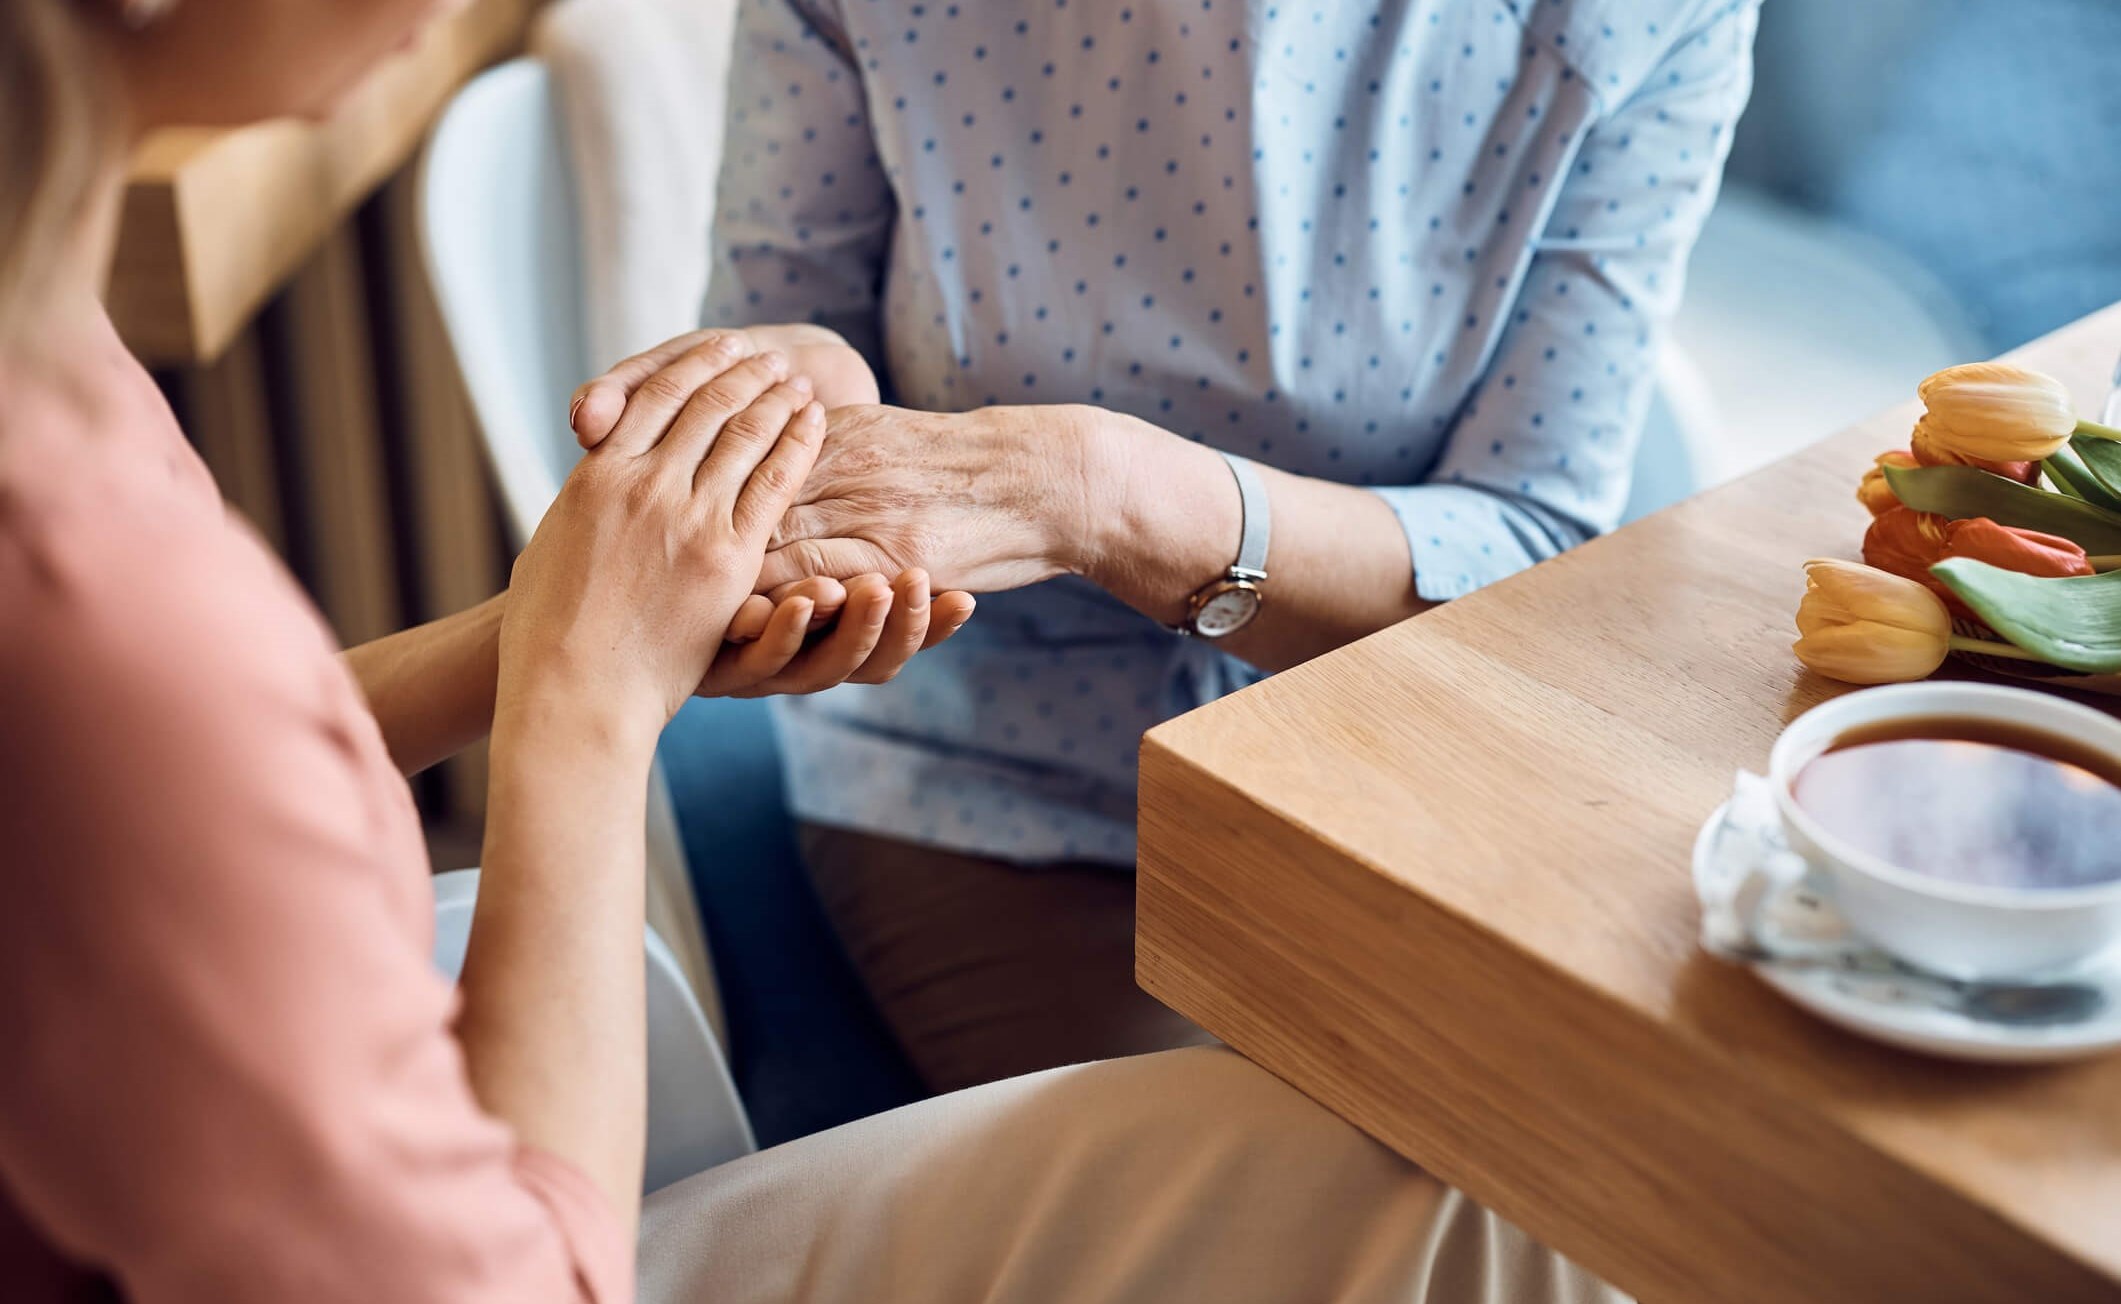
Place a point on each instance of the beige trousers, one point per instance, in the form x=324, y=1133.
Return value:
x=1181, y=1177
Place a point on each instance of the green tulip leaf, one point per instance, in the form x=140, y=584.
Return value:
x=1960, y=492
x=2102, y=459
x=2074, y=478
x=2074, y=623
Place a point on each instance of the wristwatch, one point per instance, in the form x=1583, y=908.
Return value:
x=1223, y=606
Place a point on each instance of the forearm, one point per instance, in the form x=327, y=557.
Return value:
x=552, y=1026
x=431, y=687
x=1166, y=520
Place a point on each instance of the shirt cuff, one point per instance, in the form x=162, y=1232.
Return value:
x=1462, y=538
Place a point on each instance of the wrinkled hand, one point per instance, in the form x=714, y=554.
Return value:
x=987, y=500
x=623, y=597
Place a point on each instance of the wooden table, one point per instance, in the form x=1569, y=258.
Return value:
x=1439, y=881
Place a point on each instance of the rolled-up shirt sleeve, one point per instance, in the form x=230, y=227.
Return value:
x=803, y=210
x=1540, y=458
x=230, y=1069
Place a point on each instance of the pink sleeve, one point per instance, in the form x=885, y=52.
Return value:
x=229, y=1070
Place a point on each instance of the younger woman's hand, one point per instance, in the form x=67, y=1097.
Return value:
x=622, y=598
x=875, y=628
x=838, y=374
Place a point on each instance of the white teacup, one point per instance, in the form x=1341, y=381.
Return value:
x=1957, y=929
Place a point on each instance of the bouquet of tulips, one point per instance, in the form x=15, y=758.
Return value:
x=1996, y=535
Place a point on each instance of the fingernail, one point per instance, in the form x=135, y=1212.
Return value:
x=777, y=362
x=574, y=409
x=801, y=384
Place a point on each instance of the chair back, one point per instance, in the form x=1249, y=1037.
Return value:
x=498, y=232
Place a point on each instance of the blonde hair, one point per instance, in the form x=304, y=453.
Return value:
x=57, y=128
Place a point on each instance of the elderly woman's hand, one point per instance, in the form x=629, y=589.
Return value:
x=987, y=500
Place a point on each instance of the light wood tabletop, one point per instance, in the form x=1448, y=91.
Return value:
x=1438, y=880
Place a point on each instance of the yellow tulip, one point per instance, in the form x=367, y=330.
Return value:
x=1995, y=412
x=1862, y=625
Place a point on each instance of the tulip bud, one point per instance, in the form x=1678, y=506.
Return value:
x=1874, y=492
x=1860, y=625
x=1993, y=412
x=1926, y=452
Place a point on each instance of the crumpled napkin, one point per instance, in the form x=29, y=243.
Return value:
x=1759, y=899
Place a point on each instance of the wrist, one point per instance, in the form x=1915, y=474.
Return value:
x=1107, y=448
x=1162, y=516
x=581, y=721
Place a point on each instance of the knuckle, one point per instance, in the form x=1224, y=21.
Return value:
x=756, y=372
x=666, y=386
x=731, y=391
x=751, y=425
x=708, y=403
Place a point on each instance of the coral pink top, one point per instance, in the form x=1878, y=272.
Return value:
x=226, y=1065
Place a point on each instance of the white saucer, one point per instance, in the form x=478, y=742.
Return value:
x=1878, y=1006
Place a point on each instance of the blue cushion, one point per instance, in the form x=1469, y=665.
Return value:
x=808, y=1049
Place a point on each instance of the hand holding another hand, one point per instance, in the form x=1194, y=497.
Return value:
x=627, y=550
x=623, y=597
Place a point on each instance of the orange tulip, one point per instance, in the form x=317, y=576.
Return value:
x=2028, y=552
x=1993, y=412
x=1862, y=625
x=1907, y=543
x=1874, y=493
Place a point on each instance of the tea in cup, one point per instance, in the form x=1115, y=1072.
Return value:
x=1969, y=829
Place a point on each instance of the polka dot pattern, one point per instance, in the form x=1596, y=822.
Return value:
x=1424, y=246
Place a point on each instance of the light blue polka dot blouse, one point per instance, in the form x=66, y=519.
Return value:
x=1422, y=245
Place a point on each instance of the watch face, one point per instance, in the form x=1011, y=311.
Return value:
x=1227, y=612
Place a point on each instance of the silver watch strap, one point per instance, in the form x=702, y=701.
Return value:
x=1258, y=519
